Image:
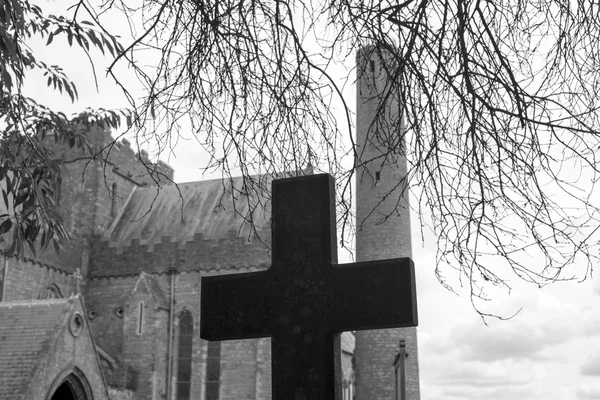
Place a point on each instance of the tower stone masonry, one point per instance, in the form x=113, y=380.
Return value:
x=383, y=221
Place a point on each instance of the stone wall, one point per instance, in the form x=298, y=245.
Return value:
x=26, y=279
x=69, y=354
x=384, y=233
x=245, y=365
x=198, y=254
x=85, y=198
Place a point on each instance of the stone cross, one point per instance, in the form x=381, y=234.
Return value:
x=304, y=300
x=78, y=278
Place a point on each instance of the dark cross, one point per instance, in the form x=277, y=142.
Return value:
x=304, y=300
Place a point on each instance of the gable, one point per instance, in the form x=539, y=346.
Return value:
x=27, y=330
x=43, y=342
x=151, y=286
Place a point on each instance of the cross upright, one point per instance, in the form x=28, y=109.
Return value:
x=304, y=300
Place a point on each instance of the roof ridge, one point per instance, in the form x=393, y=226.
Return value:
x=32, y=302
x=117, y=218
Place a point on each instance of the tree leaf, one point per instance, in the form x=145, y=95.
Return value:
x=5, y=226
x=31, y=247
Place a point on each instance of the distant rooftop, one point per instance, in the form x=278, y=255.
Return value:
x=180, y=212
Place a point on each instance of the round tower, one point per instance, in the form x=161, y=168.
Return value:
x=383, y=226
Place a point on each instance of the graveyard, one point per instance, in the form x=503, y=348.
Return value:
x=219, y=200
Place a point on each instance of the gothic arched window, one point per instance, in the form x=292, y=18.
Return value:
x=184, y=355
x=213, y=370
x=50, y=292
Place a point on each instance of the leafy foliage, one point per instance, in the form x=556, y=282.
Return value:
x=30, y=171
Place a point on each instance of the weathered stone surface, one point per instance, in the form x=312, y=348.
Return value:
x=303, y=301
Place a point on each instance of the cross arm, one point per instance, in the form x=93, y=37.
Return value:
x=375, y=295
x=233, y=306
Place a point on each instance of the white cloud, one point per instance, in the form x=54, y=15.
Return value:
x=588, y=392
x=596, y=284
x=516, y=339
x=591, y=366
x=481, y=375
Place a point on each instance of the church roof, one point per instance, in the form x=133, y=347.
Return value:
x=27, y=330
x=179, y=212
x=154, y=289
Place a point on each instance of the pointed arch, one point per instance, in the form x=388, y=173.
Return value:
x=70, y=384
x=52, y=291
x=185, y=339
x=213, y=371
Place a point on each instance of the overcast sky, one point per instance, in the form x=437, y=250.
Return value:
x=550, y=350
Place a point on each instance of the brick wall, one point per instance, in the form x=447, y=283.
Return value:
x=145, y=352
x=26, y=279
x=120, y=394
x=198, y=254
x=376, y=238
x=245, y=365
x=86, y=198
x=263, y=369
x=103, y=297
x=69, y=353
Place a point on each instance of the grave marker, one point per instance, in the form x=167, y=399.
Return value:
x=304, y=300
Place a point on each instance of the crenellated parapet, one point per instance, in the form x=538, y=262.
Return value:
x=199, y=254
x=136, y=166
x=119, y=157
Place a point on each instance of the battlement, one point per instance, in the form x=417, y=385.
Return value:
x=134, y=166
x=231, y=252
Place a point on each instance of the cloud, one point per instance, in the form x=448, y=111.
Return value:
x=596, y=283
x=591, y=326
x=591, y=367
x=454, y=380
x=515, y=339
x=588, y=392
x=496, y=393
x=481, y=375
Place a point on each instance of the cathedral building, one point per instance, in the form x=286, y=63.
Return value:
x=116, y=314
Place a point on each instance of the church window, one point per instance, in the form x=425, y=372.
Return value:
x=377, y=176
x=184, y=355
x=140, y=325
x=400, y=372
x=76, y=324
x=92, y=314
x=372, y=65
x=213, y=370
x=50, y=292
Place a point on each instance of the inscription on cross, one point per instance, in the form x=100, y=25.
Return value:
x=304, y=300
